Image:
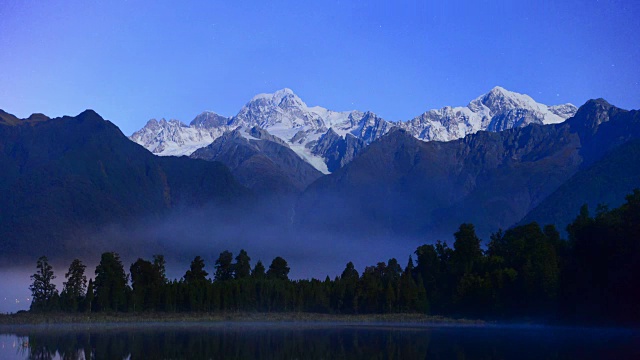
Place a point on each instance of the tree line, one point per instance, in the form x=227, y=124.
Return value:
x=524, y=272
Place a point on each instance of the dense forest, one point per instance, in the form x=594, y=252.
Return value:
x=526, y=272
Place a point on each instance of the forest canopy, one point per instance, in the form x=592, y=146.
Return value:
x=526, y=272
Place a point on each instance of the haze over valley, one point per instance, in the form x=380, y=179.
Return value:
x=463, y=159
x=81, y=187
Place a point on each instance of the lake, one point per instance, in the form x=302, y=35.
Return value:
x=314, y=341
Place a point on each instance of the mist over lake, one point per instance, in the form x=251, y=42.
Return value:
x=319, y=180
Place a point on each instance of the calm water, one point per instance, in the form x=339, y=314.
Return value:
x=317, y=341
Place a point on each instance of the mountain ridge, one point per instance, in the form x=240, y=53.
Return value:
x=492, y=179
x=284, y=115
x=67, y=176
x=74, y=173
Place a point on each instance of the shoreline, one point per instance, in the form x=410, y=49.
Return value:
x=27, y=323
x=8, y=320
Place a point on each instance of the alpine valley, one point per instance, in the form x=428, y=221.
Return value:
x=280, y=169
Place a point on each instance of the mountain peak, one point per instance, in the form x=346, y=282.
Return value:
x=209, y=119
x=90, y=116
x=277, y=96
x=500, y=90
x=500, y=99
x=8, y=119
x=12, y=120
x=38, y=117
x=593, y=113
x=600, y=102
x=284, y=91
x=89, y=113
x=288, y=118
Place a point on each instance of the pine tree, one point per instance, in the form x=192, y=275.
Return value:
x=408, y=292
x=242, y=267
x=422, y=304
x=258, y=271
x=111, y=283
x=75, y=287
x=159, y=265
x=42, y=289
x=88, y=298
x=160, y=281
x=224, y=268
x=278, y=269
x=196, y=285
x=143, y=282
x=349, y=283
x=467, y=253
x=196, y=272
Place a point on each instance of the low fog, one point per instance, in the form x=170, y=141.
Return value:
x=264, y=228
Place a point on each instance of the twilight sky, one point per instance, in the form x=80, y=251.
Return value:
x=135, y=60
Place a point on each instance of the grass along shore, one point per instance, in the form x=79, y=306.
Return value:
x=28, y=318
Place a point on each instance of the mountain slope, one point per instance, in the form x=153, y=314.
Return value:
x=497, y=110
x=176, y=138
x=407, y=187
x=260, y=161
x=606, y=181
x=67, y=176
x=286, y=116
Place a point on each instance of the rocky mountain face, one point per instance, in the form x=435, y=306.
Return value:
x=260, y=161
x=285, y=116
x=337, y=150
x=611, y=149
x=406, y=187
x=65, y=177
x=497, y=110
x=176, y=138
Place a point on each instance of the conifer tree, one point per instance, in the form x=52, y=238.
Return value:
x=111, y=283
x=43, y=290
x=349, y=281
x=196, y=285
x=279, y=269
x=258, y=271
x=75, y=287
x=89, y=296
x=242, y=267
x=467, y=253
x=224, y=268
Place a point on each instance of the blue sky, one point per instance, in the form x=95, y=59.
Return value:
x=135, y=60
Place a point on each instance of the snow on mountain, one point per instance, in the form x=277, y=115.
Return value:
x=306, y=130
x=497, y=110
x=209, y=119
x=282, y=114
x=285, y=115
x=174, y=137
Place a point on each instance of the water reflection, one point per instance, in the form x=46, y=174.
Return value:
x=295, y=341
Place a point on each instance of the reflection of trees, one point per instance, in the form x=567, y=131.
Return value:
x=275, y=341
x=68, y=346
x=236, y=343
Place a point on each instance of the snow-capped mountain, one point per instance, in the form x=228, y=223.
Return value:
x=497, y=110
x=282, y=114
x=307, y=130
x=175, y=138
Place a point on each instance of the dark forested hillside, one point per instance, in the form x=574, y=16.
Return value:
x=605, y=182
x=266, y=166
x=527, y=272
x=64, y=176
x=404, y=186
